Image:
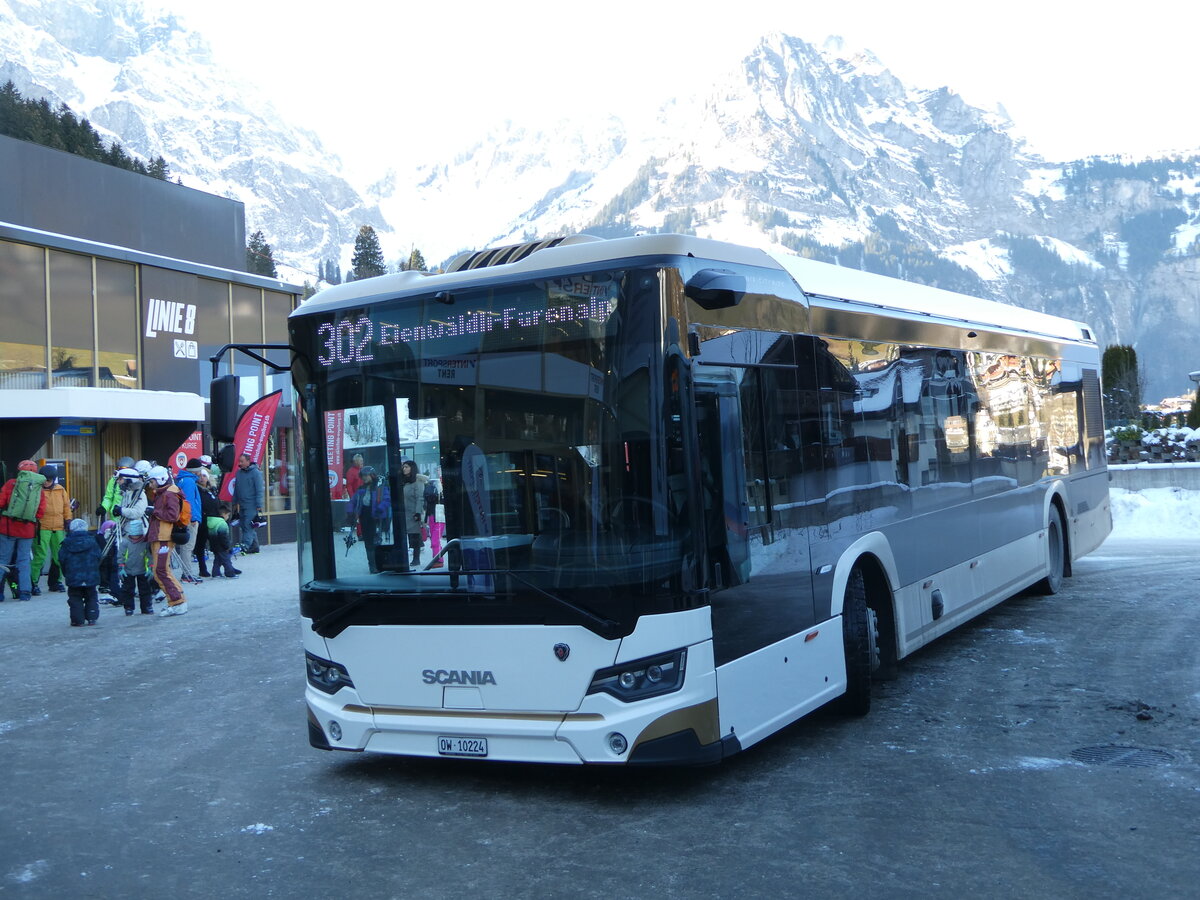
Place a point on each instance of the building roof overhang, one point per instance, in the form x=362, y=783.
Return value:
x=101, y=403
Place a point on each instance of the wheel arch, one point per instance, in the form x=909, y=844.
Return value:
x=873, y=554
x=1056, y=500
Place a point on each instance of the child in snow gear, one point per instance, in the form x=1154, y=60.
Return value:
x=220, y=539
x=132, y=546
x=80, y=561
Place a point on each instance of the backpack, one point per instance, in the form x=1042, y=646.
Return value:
x=185, y=512
x=26, y=497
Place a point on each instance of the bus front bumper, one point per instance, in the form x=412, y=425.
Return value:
x=680, y=728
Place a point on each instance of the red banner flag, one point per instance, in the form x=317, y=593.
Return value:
x=253, y=430
x=189, y=449
x=334, y=425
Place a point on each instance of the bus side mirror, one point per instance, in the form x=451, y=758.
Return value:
x=223, y=408
x=716, y=288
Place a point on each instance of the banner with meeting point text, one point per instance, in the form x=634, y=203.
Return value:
x=253, y=431
x=334, y=431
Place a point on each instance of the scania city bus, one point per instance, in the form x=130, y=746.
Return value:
x=686, y=492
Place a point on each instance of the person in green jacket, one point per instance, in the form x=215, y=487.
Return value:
x=112, y=494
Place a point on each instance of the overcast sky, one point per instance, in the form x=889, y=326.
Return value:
x=1077, y=78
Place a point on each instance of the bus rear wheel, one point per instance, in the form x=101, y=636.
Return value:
x=860, y=636
x=1056, y=550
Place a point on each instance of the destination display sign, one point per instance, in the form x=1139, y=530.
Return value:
x=507, y=319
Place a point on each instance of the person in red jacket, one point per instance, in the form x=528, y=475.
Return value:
x=17, y=530
x=353, y=479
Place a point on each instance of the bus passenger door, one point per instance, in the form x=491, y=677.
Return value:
x=723, y=483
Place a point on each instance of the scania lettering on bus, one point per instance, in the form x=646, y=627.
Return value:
x=457, y=676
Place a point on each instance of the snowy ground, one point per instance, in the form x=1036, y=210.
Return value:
x=1156, y=513
x=154, y=757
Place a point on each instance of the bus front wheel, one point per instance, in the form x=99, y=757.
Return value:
x=860, y=639
x=1056, y=550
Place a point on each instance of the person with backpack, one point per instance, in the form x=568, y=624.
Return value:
x=22, y=501
x=189, y=485
x=52, y=529
x=79, y=557
x=169, y=506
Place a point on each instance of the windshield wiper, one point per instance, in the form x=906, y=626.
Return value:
x=333, y=615
x=601, y=622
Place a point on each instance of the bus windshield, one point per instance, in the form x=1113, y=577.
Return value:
x=496, y=445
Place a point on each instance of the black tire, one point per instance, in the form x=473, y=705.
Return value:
x=858, y=637
x=1057, y=551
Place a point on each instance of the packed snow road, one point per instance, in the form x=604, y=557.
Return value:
x=1051, y=748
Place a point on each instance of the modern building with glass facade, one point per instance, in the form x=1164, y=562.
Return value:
x=115, y=289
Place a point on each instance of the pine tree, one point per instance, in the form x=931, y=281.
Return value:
x=159, y=169
x=259, y=258
x=368, y=255
x=414, y=263
x=10, y=108
x=329, y=272
x=1193, y=416
x=116, y=156
x=1122, y=382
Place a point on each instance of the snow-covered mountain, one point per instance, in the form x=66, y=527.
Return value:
x=813, y=150
x=824, y=152
x=824, y=145
x=145, y=81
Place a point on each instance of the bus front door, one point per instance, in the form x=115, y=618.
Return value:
x=723, y=483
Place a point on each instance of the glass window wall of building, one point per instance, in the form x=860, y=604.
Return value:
x=117, y=324
x=23, y=299
x=72, y=320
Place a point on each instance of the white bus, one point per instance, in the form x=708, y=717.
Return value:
x=691, y=492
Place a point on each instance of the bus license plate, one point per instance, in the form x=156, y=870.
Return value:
x=462, y=746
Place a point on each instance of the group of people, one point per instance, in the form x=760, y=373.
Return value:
x=148, y=519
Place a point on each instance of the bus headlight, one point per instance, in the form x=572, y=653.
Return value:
x=326, y=676
x=642, y=678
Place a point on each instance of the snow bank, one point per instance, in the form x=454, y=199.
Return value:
x=1156, y=513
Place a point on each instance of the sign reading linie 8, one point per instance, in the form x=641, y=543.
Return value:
x=169, y=316
x=355, y=337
